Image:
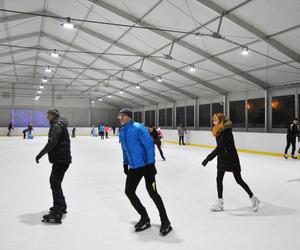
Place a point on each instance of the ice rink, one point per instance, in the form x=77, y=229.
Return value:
x=101, y=217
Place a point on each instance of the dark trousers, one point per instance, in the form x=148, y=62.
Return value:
x=290, y=141
x=181, y=139
x=239, y=180
x=158, y=144
x=133, y=179
x=24, y=134
x=106, y=135
x=56, y=178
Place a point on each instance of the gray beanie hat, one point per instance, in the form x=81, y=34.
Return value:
x=53, y=112
x=126, y=111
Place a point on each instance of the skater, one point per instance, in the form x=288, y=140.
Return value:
x=156, y=140
x=292, y=133
x=228, y=160
x=28, y=130
x=10, y=128
x=101, y=131
x=93, y=130
x=114, y=130
x=73, y=132
x=181, y=131
x=139, y=162
x=161, y=136
x=59, y=154
x=106, y=130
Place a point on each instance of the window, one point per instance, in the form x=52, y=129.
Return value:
x=147, y=118
x=256, y=113
x=204, y=115
x=169, y=112
x=162, y=117
x=180, y=116
x=190, y=116
x=152, y=118
x=237, y=113
x=283, y=110
x=137, y=116
x=217, y=108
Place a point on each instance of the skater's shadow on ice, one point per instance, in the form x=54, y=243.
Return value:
x=152, y=234
x=266, y=209
x=294, y=180
x=33, y=219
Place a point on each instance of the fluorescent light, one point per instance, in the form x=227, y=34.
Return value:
x=39, y=91
x=159, y=78
x=192, y=68
x=48, y=69
x=245, y=51
x=137, y=86
x=41, y=86
x=44, y=79
x=54, y=54
x=68, y=24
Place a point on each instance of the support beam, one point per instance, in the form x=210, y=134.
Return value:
x=182, y=43
x=250, y=28
x=19, y=17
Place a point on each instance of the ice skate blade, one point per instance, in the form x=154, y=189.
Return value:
x=139, y=229
x=255, y=209
x=217, y=210
x=52, y=222
x=166, y=232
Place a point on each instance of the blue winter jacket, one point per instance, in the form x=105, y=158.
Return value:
x=137, y=145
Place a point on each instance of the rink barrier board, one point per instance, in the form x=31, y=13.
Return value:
x=239, y=150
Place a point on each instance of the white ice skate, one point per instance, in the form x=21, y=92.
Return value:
x=255, y=203
x=219, y=206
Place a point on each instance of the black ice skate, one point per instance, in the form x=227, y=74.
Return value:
x=143, y=224
x=54, y=216
x=165, y=228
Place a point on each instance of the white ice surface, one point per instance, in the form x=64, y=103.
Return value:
x=101, y=217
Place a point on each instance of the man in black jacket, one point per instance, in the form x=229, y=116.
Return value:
x=292, y=133
x=59, y=153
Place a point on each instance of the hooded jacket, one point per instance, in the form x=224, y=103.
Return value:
x=228, y=159
x=137, y=145
x=58, y=146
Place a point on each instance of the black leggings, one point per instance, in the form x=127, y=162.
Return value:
x=288, y=144
x=239, y=180
x=181, y=139
x=56, y=178
x=158, y=144
x=133, y=179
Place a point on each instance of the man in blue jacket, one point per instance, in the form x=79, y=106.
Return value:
x=138, y=162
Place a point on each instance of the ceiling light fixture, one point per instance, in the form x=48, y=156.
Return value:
x=54, y=54
x=41, y=86
x=109, y=96
x=137, y=86
x=68, y=24
x=44, y=79
x=92, y=102
x=121, y=92
x=48, y=69
x=37, y=98
x=100, y=99
x=159, y=78
x=245, y=51
x=39, y=91
x=192, y=68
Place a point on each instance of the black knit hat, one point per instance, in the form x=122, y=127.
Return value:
x=126, y=111
x=54, y=112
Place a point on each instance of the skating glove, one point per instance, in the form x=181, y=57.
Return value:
x=125, y=166
x=204, y=163
x=37, y=158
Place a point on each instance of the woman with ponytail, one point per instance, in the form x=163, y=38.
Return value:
x=228, y=160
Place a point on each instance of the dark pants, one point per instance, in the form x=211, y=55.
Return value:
x=9, y=131
x=133, y=179
x=239, y=180
x=101, y=135
x=181, y=139
x=24, y=133
x=56, y=178
x=290, y=141
x=106, y=135
x=158, y=144
x=73, y=134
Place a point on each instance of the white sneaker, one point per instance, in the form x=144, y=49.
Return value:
x=218, y=206
x=255, y=203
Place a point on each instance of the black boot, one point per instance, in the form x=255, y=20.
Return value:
x=143, y=224
x=165, y=227
x=64, y=210
x=54, y=216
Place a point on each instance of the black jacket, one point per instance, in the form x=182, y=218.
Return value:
x=58, y=146
x=292, y=131
x=228, y=159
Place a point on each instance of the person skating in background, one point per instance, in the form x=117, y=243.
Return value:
x=292, y=133
x=93, y=130
x=59, y=154
x=161, y=136
x=10, y=128
x=228, y=160
x=28, y=130
x=138, y=162
x=181, y=131
x=156, y=140
x=114, y=130
x=106, y=130
x=73, y=132
x=101, y=131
